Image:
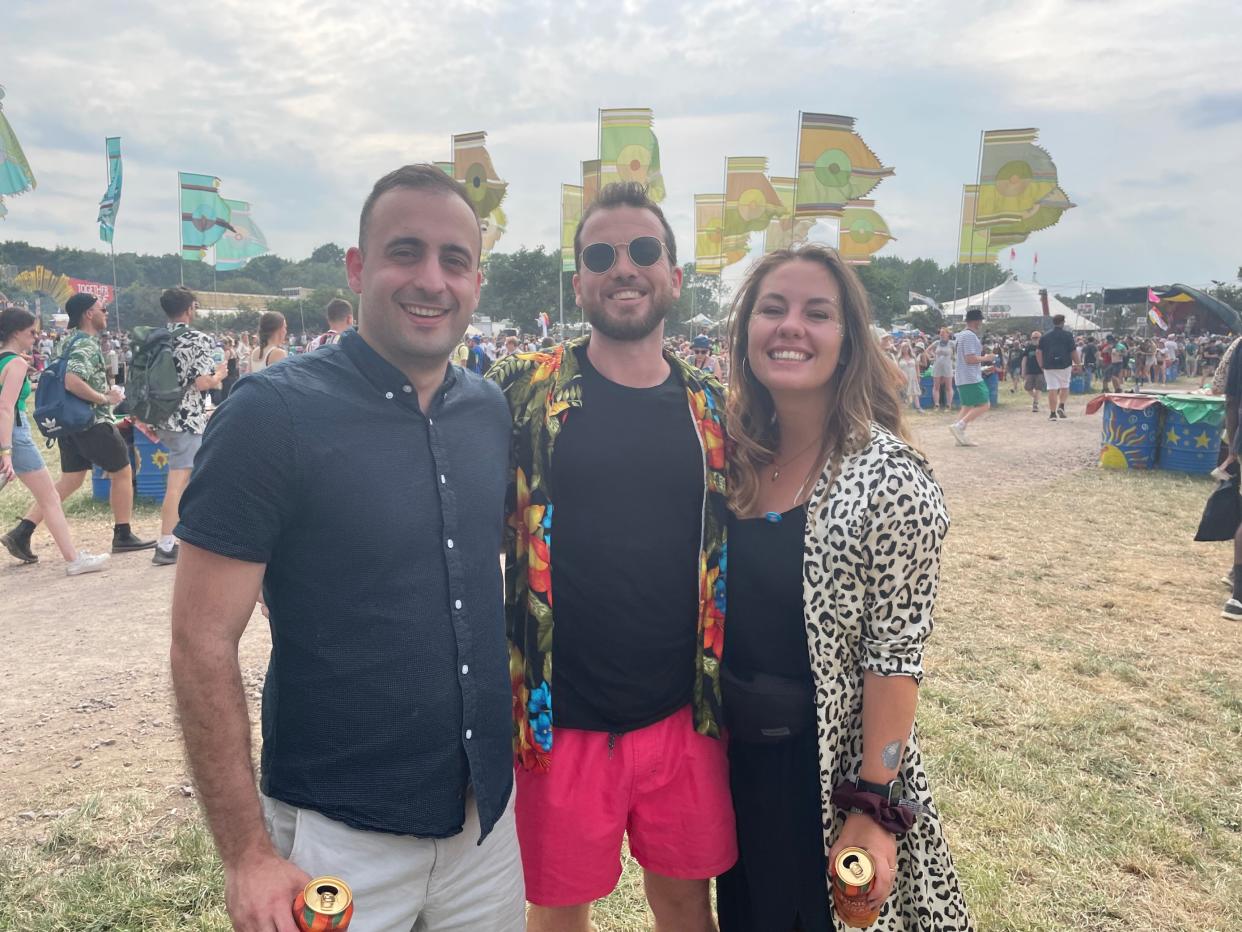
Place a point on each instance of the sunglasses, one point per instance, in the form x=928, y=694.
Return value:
x=644, y=251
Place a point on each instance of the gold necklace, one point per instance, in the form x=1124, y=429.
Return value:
x=777, y=467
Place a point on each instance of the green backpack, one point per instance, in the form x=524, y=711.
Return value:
x=153, y=392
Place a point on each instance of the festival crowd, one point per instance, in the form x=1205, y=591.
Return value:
x=418, y=739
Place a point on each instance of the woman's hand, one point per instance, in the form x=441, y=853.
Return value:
x=861, y=831
x=7, y=473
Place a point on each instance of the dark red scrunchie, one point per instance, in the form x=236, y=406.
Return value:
x=894, y=819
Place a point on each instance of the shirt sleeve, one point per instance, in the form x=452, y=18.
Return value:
x=202, y=362
x=243, y=489
x=901, y=548
x=77, y=360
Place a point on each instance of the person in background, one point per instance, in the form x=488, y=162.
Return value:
x=340, y=314
x=273, y=331
x=1032, y=374
x=943, y=351
x=19, y=457
x=968, y=376
x=908, y=363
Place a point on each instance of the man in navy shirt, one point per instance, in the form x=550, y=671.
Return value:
x=363, y=486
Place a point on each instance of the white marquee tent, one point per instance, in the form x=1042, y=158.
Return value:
x=1013, y=299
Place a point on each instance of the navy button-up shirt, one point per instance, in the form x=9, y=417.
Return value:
x=387, y=693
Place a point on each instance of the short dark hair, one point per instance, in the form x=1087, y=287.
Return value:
x=420, y=177
x=78, y=305
x=176, y=301
x=338, y=310
x=625, y=194
x=14, y=320
x=1058, y=320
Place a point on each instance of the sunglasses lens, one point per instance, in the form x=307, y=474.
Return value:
x=645, y=251
x=598, y=257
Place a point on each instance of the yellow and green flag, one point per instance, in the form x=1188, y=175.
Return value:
x=629, y=150
x=750, y=200
x=835, y=166
x=975, y=247
x=708, y=223
x=590, y=182
x=863, y=232
x=472, y=166
x=1018, y=192
x=571, y=213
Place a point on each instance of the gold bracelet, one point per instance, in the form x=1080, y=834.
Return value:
x=6, y=451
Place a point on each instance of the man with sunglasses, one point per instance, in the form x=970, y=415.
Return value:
x=619, y=450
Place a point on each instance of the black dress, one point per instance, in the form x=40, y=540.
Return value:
x=780, y=881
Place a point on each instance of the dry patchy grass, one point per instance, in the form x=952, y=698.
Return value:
x=1081, y=717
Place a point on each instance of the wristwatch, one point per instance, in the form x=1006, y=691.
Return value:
x=890, y=792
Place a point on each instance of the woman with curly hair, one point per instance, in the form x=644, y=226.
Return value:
x=834, y=562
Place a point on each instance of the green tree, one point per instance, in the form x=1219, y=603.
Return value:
x=700, y=294
x=328, y=254
x=518, y=286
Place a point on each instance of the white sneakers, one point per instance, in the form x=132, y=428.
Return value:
x=959, y=434
x=86, y=563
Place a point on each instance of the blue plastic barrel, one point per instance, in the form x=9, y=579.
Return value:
x=101, y=485
x=1078, y=384
x=1186, y=447
x=151, y=469
x=925, y=400
x=1129, y=439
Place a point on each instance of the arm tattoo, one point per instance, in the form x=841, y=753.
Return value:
x=892, y=755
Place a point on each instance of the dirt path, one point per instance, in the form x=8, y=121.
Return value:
x=85, y=702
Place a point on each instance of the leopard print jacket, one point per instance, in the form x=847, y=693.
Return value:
x=871, y=567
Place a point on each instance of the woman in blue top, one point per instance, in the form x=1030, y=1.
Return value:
x=19, y=458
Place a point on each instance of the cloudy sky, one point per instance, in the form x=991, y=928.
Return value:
x=299, y=105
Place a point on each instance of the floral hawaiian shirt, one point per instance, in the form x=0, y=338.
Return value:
x=85, y=359
x=542, y=388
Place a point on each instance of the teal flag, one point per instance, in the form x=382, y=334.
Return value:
x=241, y=244
x=15, y=174
x=204, y=215
x=111, y=202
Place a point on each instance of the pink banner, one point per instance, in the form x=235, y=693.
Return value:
x=103, y=292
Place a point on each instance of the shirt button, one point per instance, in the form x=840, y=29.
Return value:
x=388, y=395
x=442, y=479
x=465, y=668
x=457, y=604
x=430, y=422
x=407, y=388
x=450, y=543
x=469, y=734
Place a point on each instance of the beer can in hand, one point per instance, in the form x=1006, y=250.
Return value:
x=324, y=903
x=853, y=875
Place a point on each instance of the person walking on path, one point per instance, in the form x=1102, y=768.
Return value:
x=182, y=433
x=387, y=739
x=19, y=457
x=100, y=444
x=943, y=352
x=619, y=457
x=971, y=391
x=1057, y=355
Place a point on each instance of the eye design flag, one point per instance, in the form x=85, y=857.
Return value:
x=16, y=176
x=835, y=166
x=204, y=215
x=241, y=244
x=111, y=201
x=750, y=200
x=571, y=213
x=629, y=150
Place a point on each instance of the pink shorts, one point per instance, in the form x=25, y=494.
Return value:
x=665, y=785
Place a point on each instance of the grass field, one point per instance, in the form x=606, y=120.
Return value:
x=1081, y=719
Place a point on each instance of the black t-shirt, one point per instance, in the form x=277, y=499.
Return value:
x=1032, y=363
x=1058, y=348
x=627, y=474
x=1088, y=354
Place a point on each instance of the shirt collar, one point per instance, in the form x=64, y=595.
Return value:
x=382, y=374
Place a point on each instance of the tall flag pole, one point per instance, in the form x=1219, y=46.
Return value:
x=974, y=220
x=16, y=176
x=108, y=207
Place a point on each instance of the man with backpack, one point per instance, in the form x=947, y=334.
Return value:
x=99, y=444
x=181, y=429
x=340, y=314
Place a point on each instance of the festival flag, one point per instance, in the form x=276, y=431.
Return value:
x=629, y=150
x=863, y=232
x=241, y=244
x=111, y=201
x=1018, y=190
x=975, y=247
x=493, y=227
x=708, y=221
x=750, y=200
x=571, y=213
x=1154, y=315
x=446, y=167
x=544, y=322
x=1013, y=254
x=835, y=166
x=204, y=214
x=785, y=230
x=590, y=182
x=1152, y=297
x=16, y=176
x=472, y=166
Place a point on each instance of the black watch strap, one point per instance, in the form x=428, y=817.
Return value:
x=890, y=791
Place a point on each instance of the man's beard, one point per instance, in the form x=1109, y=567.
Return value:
x=629, y=329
